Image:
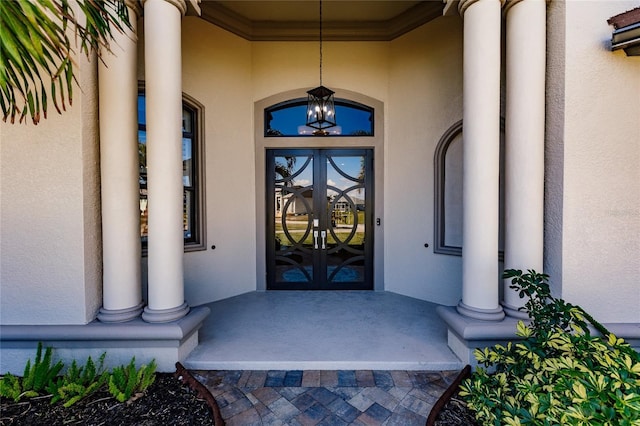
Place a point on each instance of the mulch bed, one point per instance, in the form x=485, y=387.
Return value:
x=173, y=400
x=455, y=413
x=450, y=410
x=166, y=402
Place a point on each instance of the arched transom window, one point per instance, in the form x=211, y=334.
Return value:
x=289, y=119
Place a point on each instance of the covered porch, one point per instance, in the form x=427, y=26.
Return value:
x=313, y=330
x=323, y=330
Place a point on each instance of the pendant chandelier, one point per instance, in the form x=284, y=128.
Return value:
x=321, y=112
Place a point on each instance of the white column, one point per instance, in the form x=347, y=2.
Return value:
x=118, y=89
x=481, y=159
x=163, y=86
x=524, y=142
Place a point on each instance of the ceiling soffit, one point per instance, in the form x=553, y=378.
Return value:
x=415, y=15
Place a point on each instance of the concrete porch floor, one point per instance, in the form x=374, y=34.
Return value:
x=323, y=330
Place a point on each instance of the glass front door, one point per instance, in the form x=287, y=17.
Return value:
x=319, y=224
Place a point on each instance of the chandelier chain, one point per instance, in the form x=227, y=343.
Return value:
x=320, y=42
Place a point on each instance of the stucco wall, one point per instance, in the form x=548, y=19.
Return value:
x=425, y=99
x=227, y=75
x=50, y=264
x=418, y=77
x=554, y=145
x=217, y=72
x=49, y=202
x=601, y=214
x=355, y=66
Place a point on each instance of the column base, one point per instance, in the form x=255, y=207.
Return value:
x=165, y=343
x=119, y=315
x=165, y=315
x=515, y=312
x=480, y=314
x=465, y=334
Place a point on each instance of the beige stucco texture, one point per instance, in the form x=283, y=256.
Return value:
x=50, y=259
x=601, y=217
x=417, y=77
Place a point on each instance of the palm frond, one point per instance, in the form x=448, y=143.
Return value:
x=37, y=41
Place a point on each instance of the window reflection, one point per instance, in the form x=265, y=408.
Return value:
x=288, y=119
x=188, y=172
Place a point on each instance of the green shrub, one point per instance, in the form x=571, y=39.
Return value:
x=78, y=382
x=559, y=374
x=127, y=382
x=36, y=377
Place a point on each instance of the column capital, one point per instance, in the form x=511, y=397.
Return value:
x=181, y=5
x=134, y=5
x=463, y=5
x=508, y=4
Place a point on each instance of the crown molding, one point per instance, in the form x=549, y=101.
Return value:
x=231, y=21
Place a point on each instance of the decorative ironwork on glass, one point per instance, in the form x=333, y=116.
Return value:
x=293, y=218
x=318, y=219
x=346, y=215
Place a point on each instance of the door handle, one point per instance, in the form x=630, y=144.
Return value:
x=324, y=237
x=315, y=240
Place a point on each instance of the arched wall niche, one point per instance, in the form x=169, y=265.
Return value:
x=448, y=203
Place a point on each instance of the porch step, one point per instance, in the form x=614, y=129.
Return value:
x=327, y=330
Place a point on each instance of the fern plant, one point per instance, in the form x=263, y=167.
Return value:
x=36, y=377
x=78, y=382
x=127, y=382
x=10, y=387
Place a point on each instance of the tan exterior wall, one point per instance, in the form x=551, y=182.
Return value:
x=425, y=99
x=601, y=197
x=417, y=77
x=50, y=258
x=355, y=66
x=227, y=75
x=554, y=144
x=217, y=72
x=49, y=205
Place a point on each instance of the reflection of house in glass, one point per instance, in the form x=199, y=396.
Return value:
x=298, y=203
x=344, y=210
x=345, y=206
x=294, y=203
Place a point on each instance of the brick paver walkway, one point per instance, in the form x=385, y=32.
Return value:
x=344, y=397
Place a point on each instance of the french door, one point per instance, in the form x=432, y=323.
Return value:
x=319, y=219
